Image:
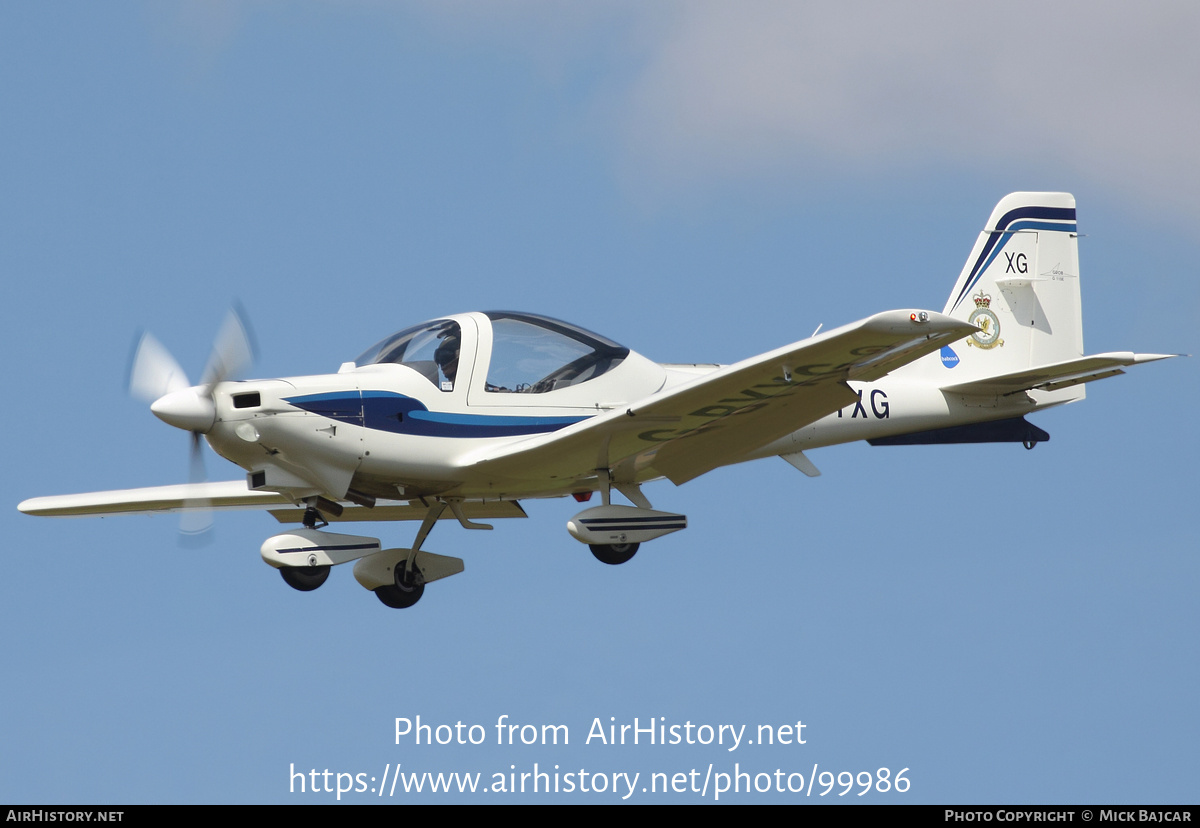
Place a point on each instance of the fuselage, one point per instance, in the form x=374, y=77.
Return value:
x=402, y=428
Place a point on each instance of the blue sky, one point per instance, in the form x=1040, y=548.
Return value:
x=700, y=182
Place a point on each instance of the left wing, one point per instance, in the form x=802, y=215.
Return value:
x=718, y=418
x=233, y=494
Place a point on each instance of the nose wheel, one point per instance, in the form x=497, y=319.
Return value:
x=613, y=553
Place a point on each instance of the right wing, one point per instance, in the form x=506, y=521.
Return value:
x=718, y=418
x=231, y=494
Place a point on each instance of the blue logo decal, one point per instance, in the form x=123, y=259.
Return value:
x=949, y=358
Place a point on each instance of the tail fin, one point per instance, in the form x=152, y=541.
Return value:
x=1020, y=285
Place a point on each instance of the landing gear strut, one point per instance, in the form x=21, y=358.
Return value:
x=410, y=583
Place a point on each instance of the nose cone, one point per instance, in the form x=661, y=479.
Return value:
x=191, y=409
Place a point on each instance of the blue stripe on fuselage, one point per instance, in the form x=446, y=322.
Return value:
x=400, y=414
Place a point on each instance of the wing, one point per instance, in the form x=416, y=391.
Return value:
x=718, y=418
x=233, y=494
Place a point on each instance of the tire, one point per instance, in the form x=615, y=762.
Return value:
x=304, y=578
x=404, y=593
x=614, y=554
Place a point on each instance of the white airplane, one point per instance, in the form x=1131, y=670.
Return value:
x=473, y=412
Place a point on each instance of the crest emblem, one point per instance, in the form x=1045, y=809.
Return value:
x=984, y=317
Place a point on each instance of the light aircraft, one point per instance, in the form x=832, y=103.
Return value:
x=467, y=415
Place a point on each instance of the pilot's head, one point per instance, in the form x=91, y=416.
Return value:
x=446, y=356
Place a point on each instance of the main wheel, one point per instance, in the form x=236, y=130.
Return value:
x=304, y=578
x=613, y=553
x=407, y=590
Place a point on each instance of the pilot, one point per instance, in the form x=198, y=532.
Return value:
x=446, y=356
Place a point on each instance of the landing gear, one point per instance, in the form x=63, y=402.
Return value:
x=407, y=590
x=630, y=526
x=304, y=578
x=311, y=516
x=614, y=553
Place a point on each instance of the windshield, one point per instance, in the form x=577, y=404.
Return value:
x=431, y=349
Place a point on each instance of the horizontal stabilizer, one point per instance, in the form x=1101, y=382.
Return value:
x=1056, y=375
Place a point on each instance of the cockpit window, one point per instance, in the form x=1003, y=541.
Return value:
x=534, y=354
x=431, y=349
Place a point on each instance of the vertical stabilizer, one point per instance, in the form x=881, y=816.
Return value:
x=1020, y=285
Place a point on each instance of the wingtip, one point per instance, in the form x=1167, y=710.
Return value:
x=32, y=506
x=943, y=324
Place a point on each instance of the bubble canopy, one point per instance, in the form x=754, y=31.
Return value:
x=426, y=348
x=530, y=353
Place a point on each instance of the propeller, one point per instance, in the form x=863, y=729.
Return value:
x=233, y=350
x=156, y=377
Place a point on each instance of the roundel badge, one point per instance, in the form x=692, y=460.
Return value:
x=984, y=318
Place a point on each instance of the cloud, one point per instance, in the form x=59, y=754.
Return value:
x=203, y=29
x=755, y=89
x=698, y=95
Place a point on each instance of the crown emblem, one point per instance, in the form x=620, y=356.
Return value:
x=984, y=318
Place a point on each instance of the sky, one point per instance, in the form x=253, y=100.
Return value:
x=701, y=182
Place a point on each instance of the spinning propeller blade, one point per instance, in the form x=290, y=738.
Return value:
x=233, y=350
x=156, y=377
x=197, y=517
x=154, y=373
